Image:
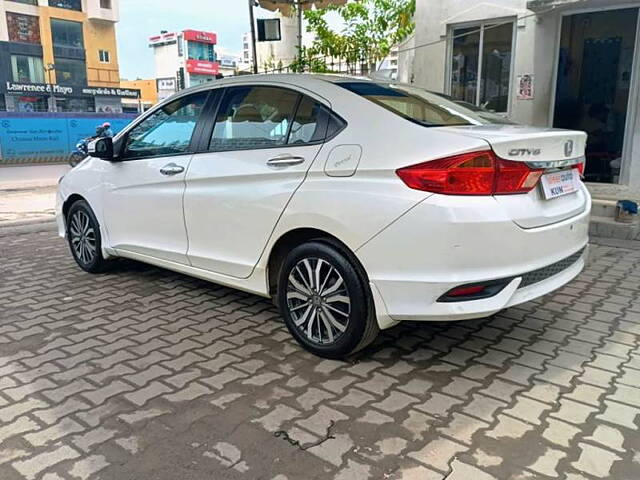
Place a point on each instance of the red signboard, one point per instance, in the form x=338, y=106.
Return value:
x=203, y=67
x=163, y=38
x=202, y=37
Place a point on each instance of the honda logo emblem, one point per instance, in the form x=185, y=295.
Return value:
x=568, y=148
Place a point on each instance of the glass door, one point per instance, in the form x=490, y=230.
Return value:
x=594, y=78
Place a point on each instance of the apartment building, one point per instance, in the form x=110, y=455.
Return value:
x=60, y=55
x=183, y=59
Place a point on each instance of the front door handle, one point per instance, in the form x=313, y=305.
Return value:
x=285, y=160
x=171, y=169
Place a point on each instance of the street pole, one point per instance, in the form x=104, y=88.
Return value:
x=50, y=68
x=253, y=37
x=299, y=28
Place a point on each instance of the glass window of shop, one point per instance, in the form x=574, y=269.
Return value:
x=201, y=51
x=71, y=72
x=23, y=28
x=26, y=69
x=67, y=4
x=481, y=64
x=66, y=33
x=75, y=104
x=17, y=103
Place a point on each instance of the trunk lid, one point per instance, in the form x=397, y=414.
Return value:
x=547, y=148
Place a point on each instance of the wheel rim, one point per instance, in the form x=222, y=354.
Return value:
x=318, y=300
x=83, y=237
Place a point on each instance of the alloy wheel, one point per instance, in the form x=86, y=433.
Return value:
x=83, y=237
x=318, y=300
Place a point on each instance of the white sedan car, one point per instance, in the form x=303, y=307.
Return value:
x=354, y=204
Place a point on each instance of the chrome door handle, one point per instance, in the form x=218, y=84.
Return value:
x=285, y=160
x=171, y=169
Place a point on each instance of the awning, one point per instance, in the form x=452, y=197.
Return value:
x=285, y=6
x=541, y=5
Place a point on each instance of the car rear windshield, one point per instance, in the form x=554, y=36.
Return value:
x=421, y=106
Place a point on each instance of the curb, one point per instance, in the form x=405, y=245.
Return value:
x=26, y=187
x=615, y=242
x=25, y=226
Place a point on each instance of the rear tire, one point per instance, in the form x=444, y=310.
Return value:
x=325, y=301
x=83, y=235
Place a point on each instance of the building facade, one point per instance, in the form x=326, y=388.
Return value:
x=60, y=55
x=183, y=59
x=556, y=63
x=246, y=61
x=148, y=95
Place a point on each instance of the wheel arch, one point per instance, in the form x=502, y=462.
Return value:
x=71, y=199
x=291, y=239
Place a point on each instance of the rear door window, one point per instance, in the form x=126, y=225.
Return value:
x=307, y=125
x=253, y=117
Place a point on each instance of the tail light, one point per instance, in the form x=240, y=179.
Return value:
x=580, y=167
x=475, y=173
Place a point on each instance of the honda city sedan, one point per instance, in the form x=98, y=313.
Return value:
x=354, y=204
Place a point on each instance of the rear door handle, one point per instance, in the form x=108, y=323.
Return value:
x=171, y=169
x=285, y=160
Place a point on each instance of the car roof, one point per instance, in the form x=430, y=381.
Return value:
x=302, y=79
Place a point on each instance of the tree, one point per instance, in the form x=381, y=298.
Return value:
x=371, y=29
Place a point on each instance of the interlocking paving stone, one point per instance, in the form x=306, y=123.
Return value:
x=102, y=376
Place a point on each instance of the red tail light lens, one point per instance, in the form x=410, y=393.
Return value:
x=476, y=173
x=515, y=177
x=580, y=167
x=466, y=291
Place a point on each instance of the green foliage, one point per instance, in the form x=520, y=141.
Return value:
x=307, y=61
x=372, y=28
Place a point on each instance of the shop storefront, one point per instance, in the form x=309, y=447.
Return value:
x=201, y=62
x=558, y=63
x=40, y=97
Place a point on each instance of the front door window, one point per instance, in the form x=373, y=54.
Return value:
x=167, y=131
x=594, y=78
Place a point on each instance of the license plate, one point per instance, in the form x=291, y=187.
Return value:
x=560, y=183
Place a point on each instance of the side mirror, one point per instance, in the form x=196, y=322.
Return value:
x=101, y=148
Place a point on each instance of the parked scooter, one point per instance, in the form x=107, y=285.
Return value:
x=81, y=151
x=82, y=147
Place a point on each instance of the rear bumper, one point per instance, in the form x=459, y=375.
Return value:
x=62, y=229
x=445, y=242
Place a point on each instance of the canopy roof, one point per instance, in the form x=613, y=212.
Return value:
x=285, y=6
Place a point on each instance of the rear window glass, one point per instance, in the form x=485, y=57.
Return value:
x=421, y=106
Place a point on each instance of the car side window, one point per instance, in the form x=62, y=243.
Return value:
x=253, y=117
x=309, y=124
x=167, y=131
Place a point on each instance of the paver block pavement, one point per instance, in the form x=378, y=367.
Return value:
x=145, y=373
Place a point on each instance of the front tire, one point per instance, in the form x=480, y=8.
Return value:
x=325, y=301
x=83, y=234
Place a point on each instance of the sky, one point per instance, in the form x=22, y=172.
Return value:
x=141, y=19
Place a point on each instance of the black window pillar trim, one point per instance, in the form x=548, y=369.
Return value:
x=206, y=123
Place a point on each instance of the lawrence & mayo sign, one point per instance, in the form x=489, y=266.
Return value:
x=68, y=90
